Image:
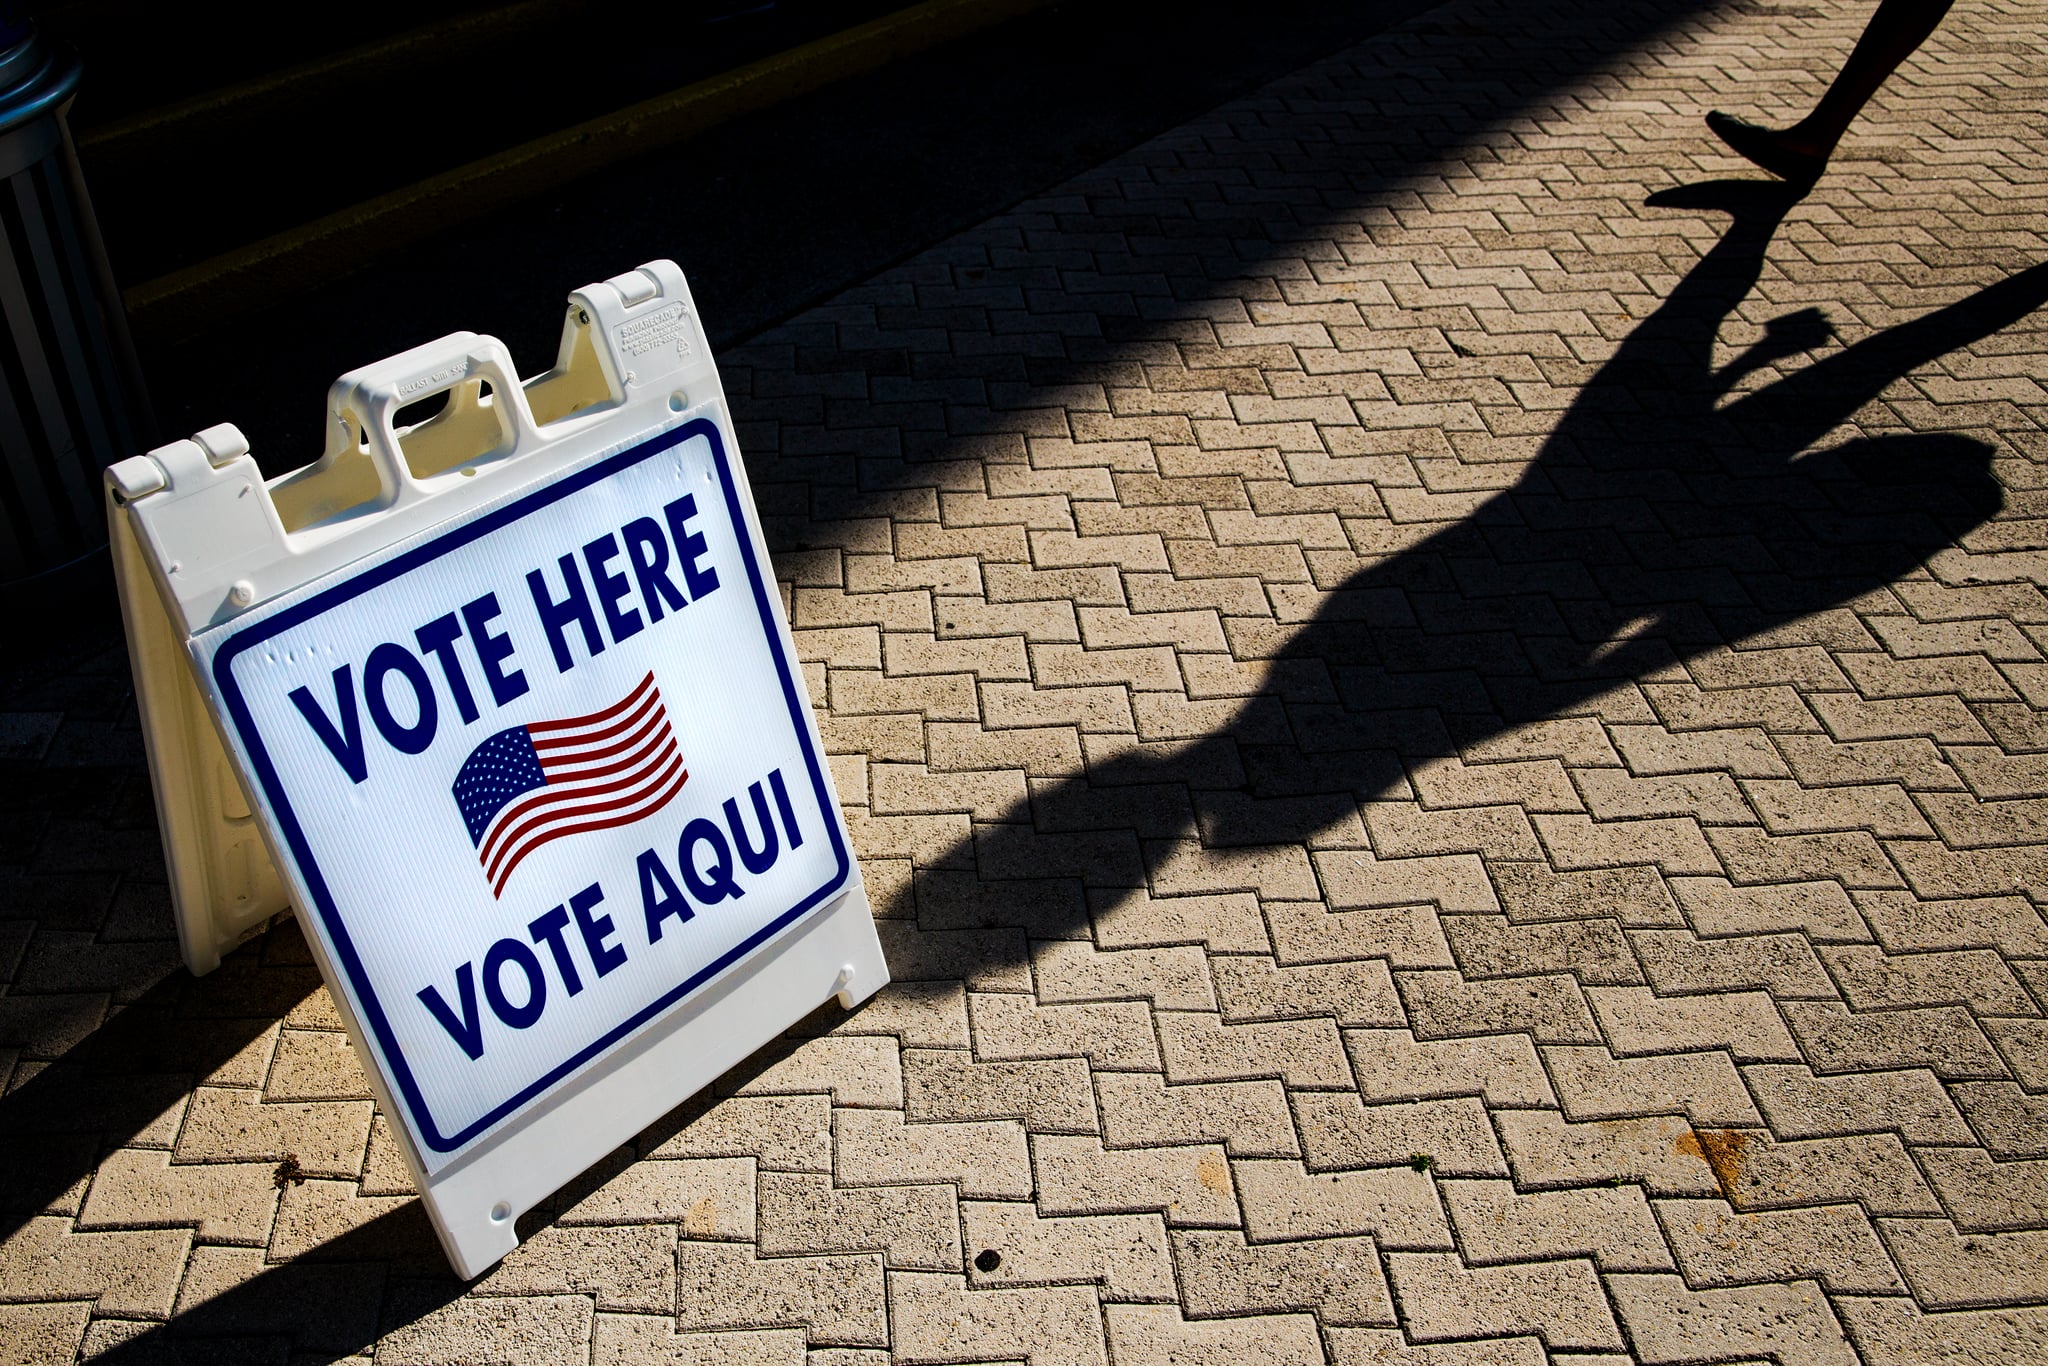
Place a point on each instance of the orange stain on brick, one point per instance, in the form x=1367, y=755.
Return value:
x=1721, y=1150
x=702, y=1219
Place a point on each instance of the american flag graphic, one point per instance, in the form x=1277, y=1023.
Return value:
x=526, y=786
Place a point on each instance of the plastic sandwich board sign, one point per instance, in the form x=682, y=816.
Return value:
x=505, y=704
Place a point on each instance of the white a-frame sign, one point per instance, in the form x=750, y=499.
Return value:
x=505, y=704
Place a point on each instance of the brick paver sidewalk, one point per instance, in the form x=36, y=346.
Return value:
x=1445, y=711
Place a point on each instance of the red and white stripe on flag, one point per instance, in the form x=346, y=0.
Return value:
x=610, y=768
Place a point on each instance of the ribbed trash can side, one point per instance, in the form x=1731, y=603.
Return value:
x=71, y=398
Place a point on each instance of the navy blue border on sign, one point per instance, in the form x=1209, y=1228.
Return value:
x=302, y=854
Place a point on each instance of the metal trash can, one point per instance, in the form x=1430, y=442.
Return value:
x=71, y=393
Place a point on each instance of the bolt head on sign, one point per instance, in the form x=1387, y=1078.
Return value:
x=541, y=772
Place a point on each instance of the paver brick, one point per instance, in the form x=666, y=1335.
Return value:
x=1157, y=1335
x=307, y=1305
x=1979, y=1193
x=1115, y=1035
x=914, y=1227
x=2011, y=1122
x=1533, y=785
x=1977, y=978
x=129, y=1274
x=231, y=1125
x=1612, y=1225
x=1783, y=964
x=952, y=746
x=1549, y=1008
x=1391, y=1064
x=1250, y=1118
x=909, y=789
x=1613, y=794
x=1934, y=871
x=39, y=1333
x=1593, y=951
x=1904, y=923
x=315, y=1065
x=1052, y=1095
x=526, y=1331
x=1951, y=1270
x=711, y=1197
x=1945, y=1039
x=938, y=1319
x=1852, y=858
x=1337, y=1279
x=1402, y=830
x=1666, y=1322
x=983, y=1158
x=1184, y=868
x=1124, y=1254
x=1546, y=1152
x=1190, y=1185
x=314, y=1214
x=1307, y=933
x=1171, y=978
x=1894, y=1332
x=1821, y=910
x=1452, y=1137
x=1634, y=896
x=1085, y=708
x=1199, y=1047
x=1636, y=1021
x=834, y=1299
x=1741, y=751
x=1833, y=1244
x=1883, y=809
x=1758, y=1172
x=1145, y=668
x=1356, y=878
x=914, y=1014
x=1993, y=774
x=1559, y=1301
x=1396, y=1206
x=226, y=1202
x=626, y=1268
x=1037, y=622
x=1798, y=1103
x=630, y=1339
x=1674, y=844
x=2025, y=1046
x=903, y=837
x=1258, y=988
x=986, y=960
x=1594, y=1084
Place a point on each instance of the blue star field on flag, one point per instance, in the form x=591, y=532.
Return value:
x=502, y=768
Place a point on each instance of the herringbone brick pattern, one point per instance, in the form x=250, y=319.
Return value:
x=1445, y=713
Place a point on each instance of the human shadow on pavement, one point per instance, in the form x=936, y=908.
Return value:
x=1658, y=521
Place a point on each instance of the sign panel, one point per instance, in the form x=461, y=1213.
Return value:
x=543, y=772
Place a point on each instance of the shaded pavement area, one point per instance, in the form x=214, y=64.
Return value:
x=1441, y=694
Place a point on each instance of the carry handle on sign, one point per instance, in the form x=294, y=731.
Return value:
x=486, y=416
x=503, y=703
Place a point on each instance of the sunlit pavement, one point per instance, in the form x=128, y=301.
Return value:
x=1441, y=692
